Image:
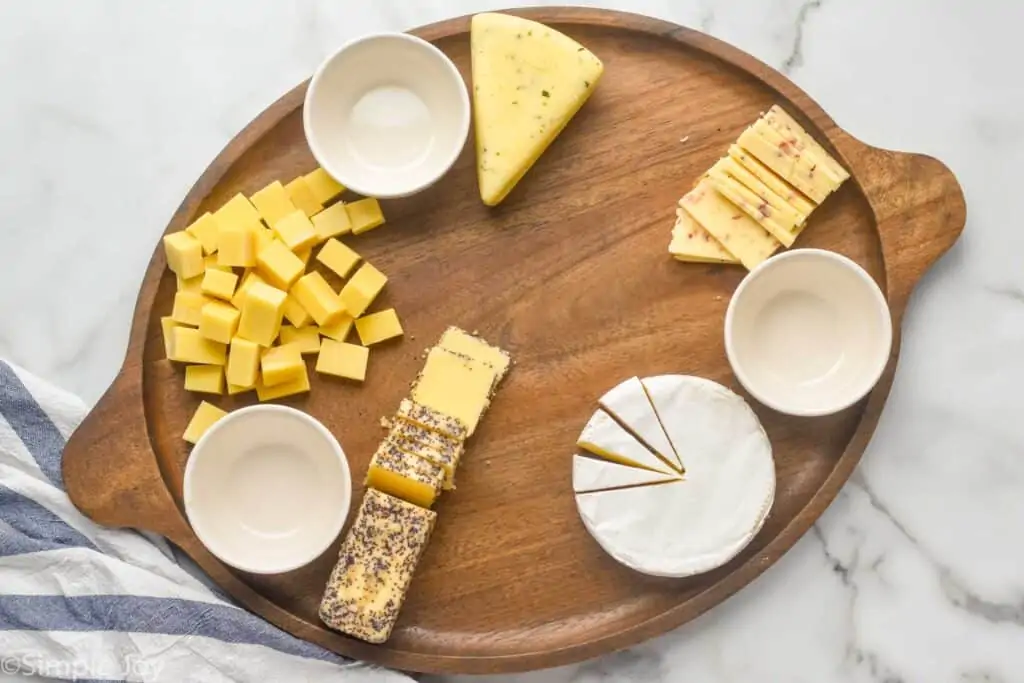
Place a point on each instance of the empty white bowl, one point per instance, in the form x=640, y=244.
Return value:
x=267, y=489
x=387, y=115
x=808, y=332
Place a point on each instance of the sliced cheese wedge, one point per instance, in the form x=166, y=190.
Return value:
x=629, y=403
x=703, y=521
x=692, y=243
x=753, y=206
x=802, y=204
x=589, y=474
x=605, y=438
x=529, y=80
x=787, y=126
x=736, y=231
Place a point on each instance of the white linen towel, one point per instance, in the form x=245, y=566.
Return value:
x=87, y=603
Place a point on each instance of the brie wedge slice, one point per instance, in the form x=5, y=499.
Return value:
x=606, y=439
x=589, y=474
x=629, y=403
x=704, y=520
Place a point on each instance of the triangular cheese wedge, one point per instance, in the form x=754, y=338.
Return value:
x=529, y=80
x=605, y=438
x=629, y=403
x=691, y=242
x=589, y=474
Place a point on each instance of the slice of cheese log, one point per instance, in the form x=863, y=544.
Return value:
x=802, y=204
x=795, y=170
x=787, y=126
x=590, y=474
x=692, y=243
x=736, y=231
x=529, y=80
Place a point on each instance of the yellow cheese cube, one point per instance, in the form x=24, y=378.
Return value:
x=234, y=389
x=281, y=364
x=243, y=364
x=343, y=360
x=359, y=292
x=323, y=187
x=219, y=321
x=273, y=202
x=304, y=255
x=405, y=475
x=167, y=325
x=238, y=212
x=184, y=254
x=379, y=555
x=243, y=289
x=338, y=257
x=295, y=313
x=378, y=327
x=188, y=307
x=208, y=379
x=219, y=284
x=264, y=236
x=317, y=297
x=296, y=231
x=205, y=230
x=261, y=314
x=455, y=385
x=339, y=330
x=193, y=284
x=206, y=416
x=302, y=197
x=278, y=265
x=364, y=215
x=432, y=420
x=237, y=245
x=332, y=221
x=307, y=339
x=299, y=385
x=212, y=263
x=188, y=345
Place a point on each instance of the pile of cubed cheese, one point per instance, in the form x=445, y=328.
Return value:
x=758, y=197
x=246, y=311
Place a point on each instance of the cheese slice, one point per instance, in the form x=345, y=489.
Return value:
x=629, y=403
x=736, y=231
x=801, y=172
x=589, y=474
x=605, y=438
x=753, y=206
x=781, y=210
x=701, y=522
x=802, y=204
x=529, y=80
x=692, y=243
x=455, y=385
x=787, y=126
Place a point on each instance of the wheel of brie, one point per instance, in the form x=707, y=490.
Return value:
x=685, y=511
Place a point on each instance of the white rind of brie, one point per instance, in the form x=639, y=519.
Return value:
x=604, y=437
x=703, y=521
x=589, y=474
x=629, y=403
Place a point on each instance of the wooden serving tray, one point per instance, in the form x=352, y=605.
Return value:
x=571, y=275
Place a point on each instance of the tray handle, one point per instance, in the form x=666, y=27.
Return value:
x=919, y=209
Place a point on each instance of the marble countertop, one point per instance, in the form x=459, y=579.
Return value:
x=113, y=108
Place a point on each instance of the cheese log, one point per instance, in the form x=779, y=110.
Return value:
x=787, y=126
x=736, y=231
x=529, y=80
x=692, y=243
x=375, y=566
x=628, y=403
x=753, y=206
x=799, y=202
x=589, y=474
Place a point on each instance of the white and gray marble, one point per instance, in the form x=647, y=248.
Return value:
x=111, y=109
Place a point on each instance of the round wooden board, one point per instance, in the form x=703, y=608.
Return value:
x=570, y=274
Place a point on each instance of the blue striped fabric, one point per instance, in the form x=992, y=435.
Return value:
x=29, y=527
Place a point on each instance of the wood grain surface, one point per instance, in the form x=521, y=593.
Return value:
x=571, y=275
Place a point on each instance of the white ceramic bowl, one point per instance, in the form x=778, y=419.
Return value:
x=387, y=115
x=267, y=489
x=808, y=332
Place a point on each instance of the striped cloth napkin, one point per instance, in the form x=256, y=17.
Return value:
x=86, y=603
